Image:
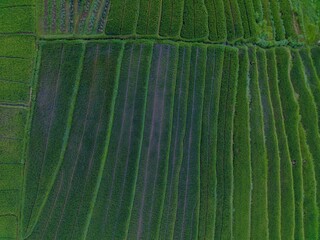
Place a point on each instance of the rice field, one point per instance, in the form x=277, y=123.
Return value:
x=149, y=119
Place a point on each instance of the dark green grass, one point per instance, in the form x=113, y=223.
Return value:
x=247, y=13
x=122, y=18
x=149, y=17
x=187, y=218
x=86, y=146
x=216, y=20
x=290, y=110
x=208, y=179
x=277, y=70
x=55, y=91
x=153, y=162
x=271, y=141
x=171, y=18
x=9, y=201
x=224, y=167
x=278, y=28
x=233, y=20
x=176, y=146
x=17, y=46
x=17, y=20
x=16, y=70
x=8, y=227
x=259, y=162
x=310, y=208
x=315, y=55
x=195, y=20
x=112, y=210
x=242, y=153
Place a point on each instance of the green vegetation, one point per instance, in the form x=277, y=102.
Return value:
x=159, y=119
x=176, y=149
x=17, y=20
x=122, y=17
x=233, y=20
x=171, y=20
x=216, y=20
x=311, y=211
x=195, y=20
x=187, y=216
x=50, y=122
x=153, y=162
x=279, y=60
x=242, y=153
x=290, y=110
x=259, y=162
x=115, y=199
x=224, y=166
x=271, y=142
x=208, y=179
x=149, y=17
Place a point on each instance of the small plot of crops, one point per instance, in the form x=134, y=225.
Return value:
x=266, y=22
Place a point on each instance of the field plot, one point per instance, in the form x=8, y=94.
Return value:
x=85, y=149
x=271, y=141
x=112, y=210
x=224, y=165
x=242, y=153
x=187, y=216
x=195, y=20
x=176, y=147
x=49, y=123
x=216, y=20
x=290, y=110
x=259, y=162
x=233, y=20
x=12, y=132
x=123, y=17
x=208, y=179
x=153, y=162
x=19, y=19
x=73, y=17
x=310, y=209
x=149, y=17
x=287, y=192
x=171, y=18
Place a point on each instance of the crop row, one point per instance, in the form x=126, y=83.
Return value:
x=172, y=141
x=206, y=20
